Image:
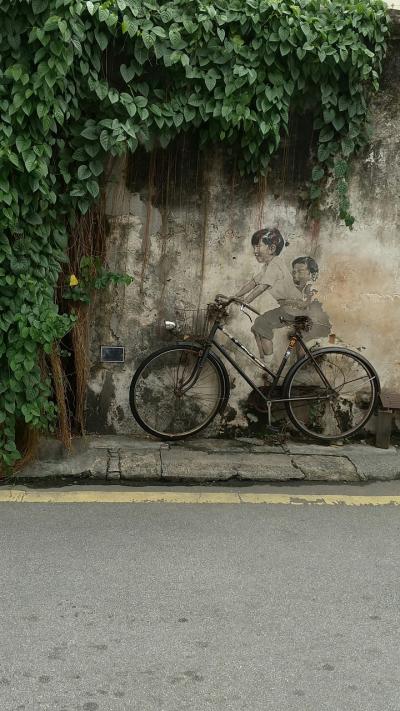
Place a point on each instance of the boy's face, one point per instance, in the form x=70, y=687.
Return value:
x=301, y=274
x=263, y=252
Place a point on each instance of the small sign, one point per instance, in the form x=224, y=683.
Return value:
x=112, y=354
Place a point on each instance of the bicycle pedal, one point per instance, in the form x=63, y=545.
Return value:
x=273, y=430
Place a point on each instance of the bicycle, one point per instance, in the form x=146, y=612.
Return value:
x=329, y=393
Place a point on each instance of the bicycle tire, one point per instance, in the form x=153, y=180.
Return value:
x=154, y=404
x=349, y=410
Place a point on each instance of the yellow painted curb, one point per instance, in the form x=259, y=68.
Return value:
x=32, y=496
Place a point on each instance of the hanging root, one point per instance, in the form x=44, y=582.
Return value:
x=60, y=386
x=80, y=342
x=87, y=238
x=27, y=438
x=27, y=443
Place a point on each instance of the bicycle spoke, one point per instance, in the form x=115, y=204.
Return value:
x=202, y=398
x=362, y=377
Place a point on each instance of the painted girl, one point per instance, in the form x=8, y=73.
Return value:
x=275, y=277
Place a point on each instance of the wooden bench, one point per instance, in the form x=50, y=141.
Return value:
x=388, y=404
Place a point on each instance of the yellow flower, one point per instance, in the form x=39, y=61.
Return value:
x=73, y=281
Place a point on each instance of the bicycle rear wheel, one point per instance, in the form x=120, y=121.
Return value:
x=156, y=399
x=337, y=403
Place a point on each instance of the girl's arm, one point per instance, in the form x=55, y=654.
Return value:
x=246, y=288
x=256, y=291
x=251, y=290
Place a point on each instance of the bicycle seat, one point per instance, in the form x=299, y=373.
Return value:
x=301, y=323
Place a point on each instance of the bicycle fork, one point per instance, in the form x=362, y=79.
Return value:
x=195, y=374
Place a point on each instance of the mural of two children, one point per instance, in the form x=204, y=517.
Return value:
x=295, y=292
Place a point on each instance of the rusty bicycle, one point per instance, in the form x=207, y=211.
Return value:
x=329, y=393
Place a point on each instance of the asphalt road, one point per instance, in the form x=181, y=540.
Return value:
x=172, y=607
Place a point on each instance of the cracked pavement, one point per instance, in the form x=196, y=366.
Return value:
x=118, y=458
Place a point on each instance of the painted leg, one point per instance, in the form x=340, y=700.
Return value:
x=266, y=346
x=259, y=345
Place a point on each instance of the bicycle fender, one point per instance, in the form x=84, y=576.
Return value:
x=334, y=349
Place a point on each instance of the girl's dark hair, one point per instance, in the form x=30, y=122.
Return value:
x=270, y=236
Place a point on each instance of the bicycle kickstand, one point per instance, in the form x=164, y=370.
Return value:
x=270, y=426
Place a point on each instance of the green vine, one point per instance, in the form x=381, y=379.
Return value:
x=81, y=80
x=92, y=277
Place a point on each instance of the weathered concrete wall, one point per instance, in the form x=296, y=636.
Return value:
x=181, y=224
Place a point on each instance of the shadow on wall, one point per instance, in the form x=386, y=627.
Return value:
x=175, y=176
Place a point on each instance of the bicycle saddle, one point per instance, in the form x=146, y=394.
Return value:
x=301, y=323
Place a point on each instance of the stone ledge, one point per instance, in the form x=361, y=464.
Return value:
x=140, y=465
x=199, y=466
x=211, y=461
x=229, y=446
x=122, y=441
x=91, y=465
x=331, y=468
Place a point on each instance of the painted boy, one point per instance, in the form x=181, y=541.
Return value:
x=305, y=272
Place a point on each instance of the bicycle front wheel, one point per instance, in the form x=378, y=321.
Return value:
x=158, y=399
x=339, y=394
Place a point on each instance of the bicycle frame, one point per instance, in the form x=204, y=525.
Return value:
x=267, y=397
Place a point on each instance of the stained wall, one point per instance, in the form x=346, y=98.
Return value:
x=181, y=222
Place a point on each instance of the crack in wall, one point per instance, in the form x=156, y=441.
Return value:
x=146, y=236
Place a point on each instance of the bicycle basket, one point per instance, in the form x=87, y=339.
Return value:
x=195, y=323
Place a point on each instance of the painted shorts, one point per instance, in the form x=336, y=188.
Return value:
x=265, y=324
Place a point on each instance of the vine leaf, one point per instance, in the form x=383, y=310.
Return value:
x=127, y=72
x=210, y=81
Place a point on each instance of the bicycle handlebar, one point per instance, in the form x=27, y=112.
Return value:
x=235, y=300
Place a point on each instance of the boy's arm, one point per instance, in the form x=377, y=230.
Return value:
x=309, y=292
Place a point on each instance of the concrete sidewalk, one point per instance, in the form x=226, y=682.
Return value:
x=125, y=458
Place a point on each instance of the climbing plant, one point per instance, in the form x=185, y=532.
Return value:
x=82, y=80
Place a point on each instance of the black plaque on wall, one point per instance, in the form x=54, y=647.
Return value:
x=112, y=354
